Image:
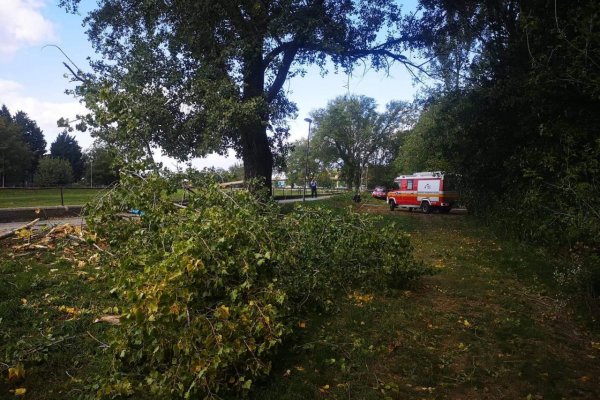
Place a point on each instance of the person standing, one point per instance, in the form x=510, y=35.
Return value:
x=313, y=188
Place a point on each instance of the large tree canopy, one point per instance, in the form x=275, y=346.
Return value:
x=195, y=76
x=351, y=130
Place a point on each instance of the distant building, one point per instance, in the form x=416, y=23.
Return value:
x=279, y=180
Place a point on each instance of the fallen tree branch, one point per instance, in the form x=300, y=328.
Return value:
x=7, y=234
x=102, y=344
x=82, y=240
x=101, y=249
x=36, y=349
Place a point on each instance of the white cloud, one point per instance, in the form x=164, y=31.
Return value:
x=22, y=24
x=45, y=113
x=9, y=86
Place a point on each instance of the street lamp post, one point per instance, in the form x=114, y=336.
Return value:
x=306, y=162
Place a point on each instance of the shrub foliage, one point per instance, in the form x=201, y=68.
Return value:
x=53, y=171
x=519, y=122
x=213, y=289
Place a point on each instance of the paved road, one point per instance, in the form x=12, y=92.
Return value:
x=47, y=222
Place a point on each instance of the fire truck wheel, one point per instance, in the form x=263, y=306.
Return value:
x=392, y=205
x=426, y=207
x=445, y=210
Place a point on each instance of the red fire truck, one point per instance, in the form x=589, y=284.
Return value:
x=425, y=190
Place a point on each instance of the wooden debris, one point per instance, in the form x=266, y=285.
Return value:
x=7, y=234
x=109, y=319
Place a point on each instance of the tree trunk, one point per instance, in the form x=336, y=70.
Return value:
x=256, y=150
x=356, y=179
x=353, y=177
x=257, y=156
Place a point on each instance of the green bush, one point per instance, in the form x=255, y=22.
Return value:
x=53, y=171
x=213, y=289
x=323, y=251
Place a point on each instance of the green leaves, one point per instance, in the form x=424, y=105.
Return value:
x=351, y=130
x=195, y=77
x=215, y=288
x=53, y=171
x=518, y=122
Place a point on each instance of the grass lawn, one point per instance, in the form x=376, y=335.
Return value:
x=48, y=301
x=45, y=197
x=487, y=326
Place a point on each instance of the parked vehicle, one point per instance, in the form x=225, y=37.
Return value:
x=427, y=191
x=380, y=192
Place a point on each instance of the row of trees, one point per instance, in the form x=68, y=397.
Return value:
x=22, y=145
x=516, y=115
x=23, y=158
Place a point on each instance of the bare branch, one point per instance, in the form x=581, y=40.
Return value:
x=73, y=73
x=79, y=71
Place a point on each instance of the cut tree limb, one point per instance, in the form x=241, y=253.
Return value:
x=6, y=234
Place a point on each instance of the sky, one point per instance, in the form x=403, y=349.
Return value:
x=32, y=76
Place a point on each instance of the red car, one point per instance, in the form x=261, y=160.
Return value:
x=380, y=192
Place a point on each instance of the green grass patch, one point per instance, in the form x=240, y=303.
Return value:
x=10, y=197
x=51, y=197
x=489, y=325
x=46, y=197
x=48, y=302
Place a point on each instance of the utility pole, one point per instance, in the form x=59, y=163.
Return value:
x=91, y=173
x=306, y=162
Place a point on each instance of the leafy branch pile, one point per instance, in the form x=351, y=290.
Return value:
x=214, y=288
